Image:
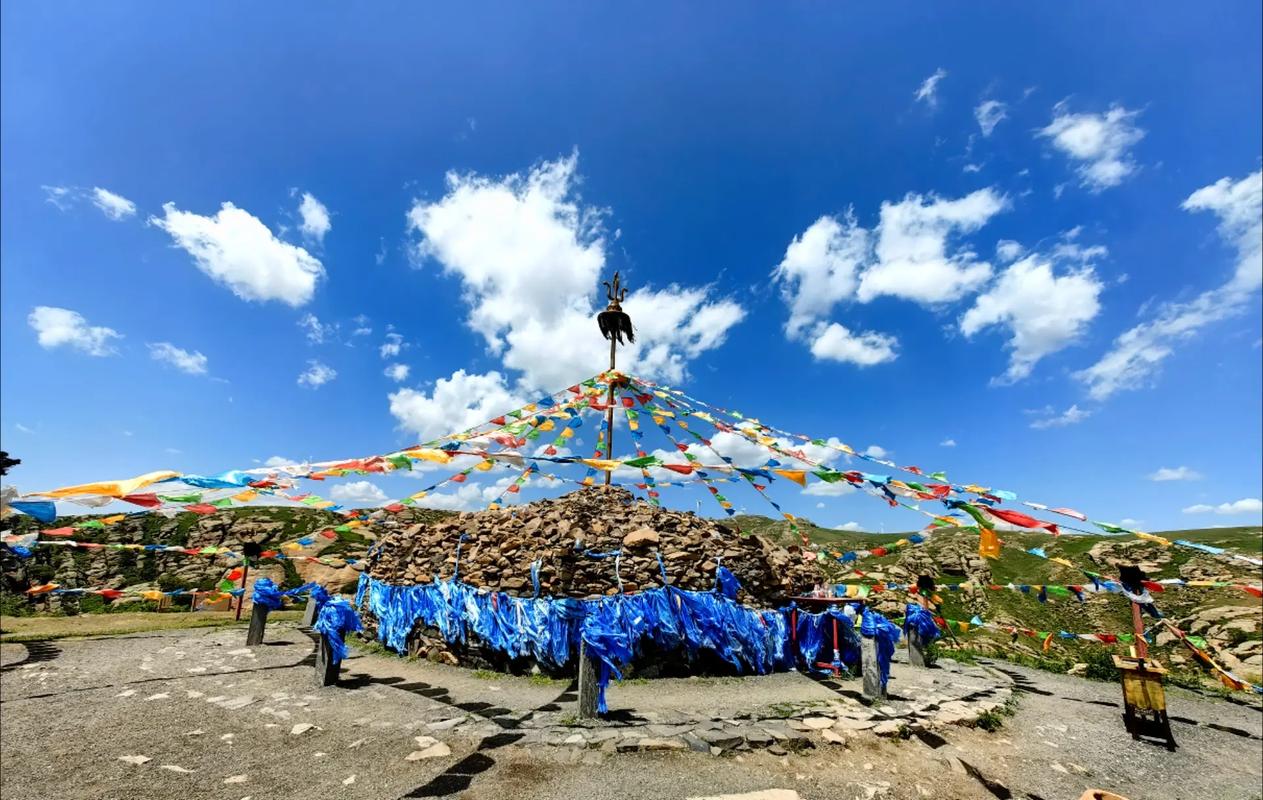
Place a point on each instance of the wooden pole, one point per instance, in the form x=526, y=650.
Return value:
x=326, y=667
x=309, y=612
x=1142, y=647
x=609, y=414
x=258, y=623
x=587, y=684
x=245, y=573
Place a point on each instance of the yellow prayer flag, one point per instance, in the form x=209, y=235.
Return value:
x=798, y=476
x=988, y=543
x=483, y=466
x=111, y=488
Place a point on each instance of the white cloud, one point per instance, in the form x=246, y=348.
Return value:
x=825, y=489
x=316, y=331
x=1249, y=505
x=834, y=342
x=455, y=404
x=316, y=375
x=315, y=216
x=1100, y=143
x=278, y=461
x=1008, y=250
x=392, y=347
x=927, y=92
x=912, y=254
x=1175, y=474
x=849, y=526
x=114, y=206
x=193, y=363
x=398, y=372
x=1049, y=418
x=989, y=114
x=820, y=504
x=61, y=197
x=236, y=249
x=1130, y=523
x=358, y=493
x=1043, y=312
x=22, y=428
x=947, y=443
x=468, y=497
x=56, y=327
x=907, y=255
x=1137, y=353
x=530, y=257
x=876, y=451
x=821, y=267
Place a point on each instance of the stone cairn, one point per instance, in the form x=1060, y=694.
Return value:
x=501, y=544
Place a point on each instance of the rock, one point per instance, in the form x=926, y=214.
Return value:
x=695, y=744
x=661, y=744
x=724, y=740
x=889, y=727
x=349, y=781
x=137, y=760
x=832, y=736
x=641, y=537
x=235, y=779
x=849, y=724
x=176, y=768
x=758, y=738
x=1078, y=670
x=425, y=741
x=301, y=728
x=818, y=723
x=574, y=739
x=445, y=724
x=436, y=750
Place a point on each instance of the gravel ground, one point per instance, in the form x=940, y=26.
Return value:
x=218, y=720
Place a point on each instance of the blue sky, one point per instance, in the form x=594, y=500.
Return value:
x=1018, y=244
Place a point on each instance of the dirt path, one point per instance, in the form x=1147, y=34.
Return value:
x=218, y=720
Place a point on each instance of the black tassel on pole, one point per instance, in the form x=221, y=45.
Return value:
x=614, y=323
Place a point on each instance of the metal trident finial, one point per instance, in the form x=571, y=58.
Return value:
x=616, y=293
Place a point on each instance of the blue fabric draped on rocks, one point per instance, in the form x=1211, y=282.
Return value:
x=266, y=594
x=813, y=628
x=726, y=583
x=917, y=618
x=886, y=634
x=336, y=619
x=614, y=628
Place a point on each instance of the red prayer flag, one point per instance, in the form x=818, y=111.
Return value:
x=233, y=575
x=110, y=594
x=683, y=469
x=146, y=500
x=201, y=508
x=58, y=532
x=394, y=508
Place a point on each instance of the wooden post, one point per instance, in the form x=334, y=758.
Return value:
x=245, y=573
x=258, y=622
x=1142, y=647
x=309, y=612
x=587, y=684
x=326, y=668
x=873, y=690
x=916, y=648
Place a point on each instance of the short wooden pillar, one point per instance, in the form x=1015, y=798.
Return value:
x=587, y=684
x=258, y=623
x=326, y=668
x=309, y=612
x=916, y=648
x=873, y=688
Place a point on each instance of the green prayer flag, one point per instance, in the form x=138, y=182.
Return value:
x=182, y=498
x=828, y=475
x=1110, y=528
x=981, y=518
x=342, y=529
x=92, y=523
x=400, y=462
x=224, y=503
x=642, y=462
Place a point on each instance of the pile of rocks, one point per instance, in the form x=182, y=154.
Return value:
x=568, y=534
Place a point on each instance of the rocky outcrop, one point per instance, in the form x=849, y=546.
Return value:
x=568, y=537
